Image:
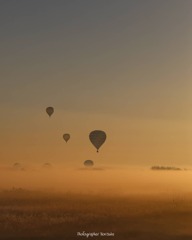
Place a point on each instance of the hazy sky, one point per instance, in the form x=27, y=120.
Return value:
x=117, y=65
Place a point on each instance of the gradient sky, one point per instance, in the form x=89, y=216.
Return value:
x=117, y=65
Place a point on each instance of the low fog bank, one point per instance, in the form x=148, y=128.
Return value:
x=104, y=180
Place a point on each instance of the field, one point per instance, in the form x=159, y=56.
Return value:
x=27, y=215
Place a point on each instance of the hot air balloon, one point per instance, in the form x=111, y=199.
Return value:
x=66, y=137
x=97, y=138
x=50, y=111
x=88, y=163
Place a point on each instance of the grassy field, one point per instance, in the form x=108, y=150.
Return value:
x=35, y=215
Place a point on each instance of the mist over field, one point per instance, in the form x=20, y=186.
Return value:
x=97, y=180
x=131, y=203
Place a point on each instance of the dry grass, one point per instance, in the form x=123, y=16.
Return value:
x=34, y=215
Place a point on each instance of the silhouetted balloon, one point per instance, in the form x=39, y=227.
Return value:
x=66, y=137
x=50, y=111
x=88, y=163
x=97, y=138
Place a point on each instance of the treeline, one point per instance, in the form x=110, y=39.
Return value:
x=165, y=168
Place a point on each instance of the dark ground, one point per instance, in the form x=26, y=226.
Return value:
x=26, y=215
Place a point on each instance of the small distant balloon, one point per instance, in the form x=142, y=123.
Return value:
x=88, y=163
x=50, y=111
x=66, y=137
x=97, y=138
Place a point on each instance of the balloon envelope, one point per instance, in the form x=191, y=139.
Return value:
x=88, y=163
x=50, y=111
x=66, y=137
x=97, y=138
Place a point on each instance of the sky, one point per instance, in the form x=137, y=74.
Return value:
x=119, y=66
